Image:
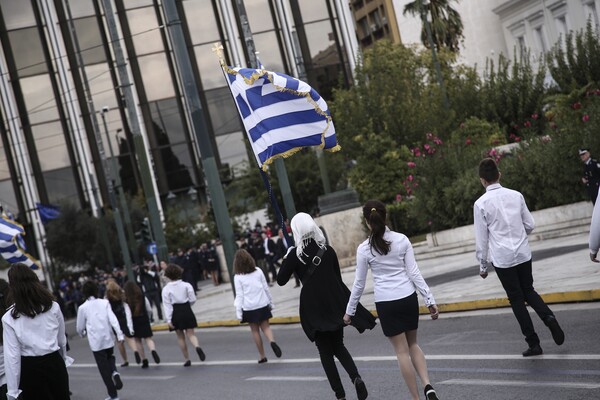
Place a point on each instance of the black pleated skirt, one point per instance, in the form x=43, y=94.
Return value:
x=257, y=316
x=397, y=316
x=44, y=378
x=183, y=317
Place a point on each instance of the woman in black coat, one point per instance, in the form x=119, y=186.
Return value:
x=323, y=300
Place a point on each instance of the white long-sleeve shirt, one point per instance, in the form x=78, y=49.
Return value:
x=502, y=223
x=251, y=292
x=176, y=292
x=595, y=229
x=95, y=319
x=33, y=337
x=395, y=275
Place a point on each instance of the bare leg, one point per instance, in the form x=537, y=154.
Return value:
x=266, y=328
x=140, y=348
x=182, y=345
x=406, y=368
x=122, y=351
x=150, y=343
x=255, y=329
x=131, y=343
x=191, y=337
x=417, y=357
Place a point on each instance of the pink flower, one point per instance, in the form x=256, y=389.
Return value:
x=527, y=124
x=416, y=151
x=546, y=139
x=437, y=140
x=585, y=118
x=410, y=178
x=411, y=164
x=429, y=136
x=534, y=116
x=517, y=139
x=398, y=197
x=426, y=146
x=576, y=106
x=468, y=141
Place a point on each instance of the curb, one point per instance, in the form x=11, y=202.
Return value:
x=549, y=298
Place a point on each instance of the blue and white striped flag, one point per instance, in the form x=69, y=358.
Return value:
x=281, y=114
x=12, y=244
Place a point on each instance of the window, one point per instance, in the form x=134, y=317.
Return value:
x=592, y=13
x=541, y=39
x=562, y=27
x=521, y=46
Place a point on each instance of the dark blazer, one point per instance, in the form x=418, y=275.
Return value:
x=324, y=297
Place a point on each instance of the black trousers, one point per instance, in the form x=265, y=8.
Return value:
x=271, y=265
x=518, y=284
x=331, y=344
x=44, y=378
x=154, y=298
x=105, y=360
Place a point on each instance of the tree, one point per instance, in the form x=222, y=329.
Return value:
x=446, y=23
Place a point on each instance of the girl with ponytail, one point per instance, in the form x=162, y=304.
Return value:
x=396, y=280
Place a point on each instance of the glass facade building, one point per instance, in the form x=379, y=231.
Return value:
x=62, y=112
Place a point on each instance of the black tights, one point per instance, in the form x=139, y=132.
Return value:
x=331, y=344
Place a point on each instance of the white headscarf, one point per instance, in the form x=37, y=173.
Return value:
x=304, y=229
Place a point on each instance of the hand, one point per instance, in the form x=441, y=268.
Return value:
x=434, y=311
x=593, y=257
x=483, y=275
x=171, y=326
x=347, y=319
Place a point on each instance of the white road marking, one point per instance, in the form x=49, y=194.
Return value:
x=488, y=382
x=437, y=357
x=288, y=378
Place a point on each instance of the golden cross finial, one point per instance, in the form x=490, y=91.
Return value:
x=218, y=49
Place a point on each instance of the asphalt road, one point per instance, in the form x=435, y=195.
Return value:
x=470, y=356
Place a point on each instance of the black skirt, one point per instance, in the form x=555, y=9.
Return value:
x=141, y=326
x=44, y=377
x=183, y=317
x=257, y=316
x=397, y=316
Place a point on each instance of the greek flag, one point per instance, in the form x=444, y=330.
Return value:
x=12, y=244
x=281, y=114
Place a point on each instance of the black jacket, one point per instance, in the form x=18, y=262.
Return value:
x=324, y=297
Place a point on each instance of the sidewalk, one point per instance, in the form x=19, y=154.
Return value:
x=562, y=273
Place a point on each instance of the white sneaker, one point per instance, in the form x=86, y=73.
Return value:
x=112, y=398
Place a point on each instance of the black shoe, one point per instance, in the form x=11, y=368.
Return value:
x=155, y=357
x=557, y=333
x=187, y=363
x=276, y=349
x=262, y=360
x=118, y=382
x=125, y=364
x=533, y=351
x=138, y=359
x=430, y=393
x=145, y=363
x=361, y=388
x=200, y=354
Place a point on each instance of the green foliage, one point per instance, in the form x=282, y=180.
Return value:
x=446, y=24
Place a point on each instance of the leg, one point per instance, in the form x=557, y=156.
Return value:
x=406, y=368
x=150, y=343
x=531, y=296
x=509, y=277
x=342, y=354
x=182, y=345
x=104, y=366
x=122, y=351
x=158, y=303
x=417, y=357
x=194, y=341
x=140, y=347
x=266, y=328
x=323, y=341
x=255, y=329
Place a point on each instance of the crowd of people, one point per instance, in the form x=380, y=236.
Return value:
x=112, y=307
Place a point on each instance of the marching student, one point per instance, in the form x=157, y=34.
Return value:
x=323, y=299
x=502, y=224
x=34, y=340
x=96, y=320
x=397, y=279
x=141, y=312
x=116, y=298
x=178, y=297
x=253, y=302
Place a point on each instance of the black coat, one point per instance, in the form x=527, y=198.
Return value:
x=324, y=297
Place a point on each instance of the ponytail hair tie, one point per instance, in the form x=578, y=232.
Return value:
x=373, y=209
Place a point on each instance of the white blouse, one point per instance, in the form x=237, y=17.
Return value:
x=176, y=292
x=96, y=319
x=33, y=337
x=395, y=275
x=251, y=292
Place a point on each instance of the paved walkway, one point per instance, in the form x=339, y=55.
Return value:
x=562, y=273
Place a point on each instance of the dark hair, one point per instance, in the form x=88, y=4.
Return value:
x=29, y=296
x=173, y=272
x=243, y=262
x=3, y=301
x=488, y=170
x=375, y=215
x=89, y=289
x=135, y=298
